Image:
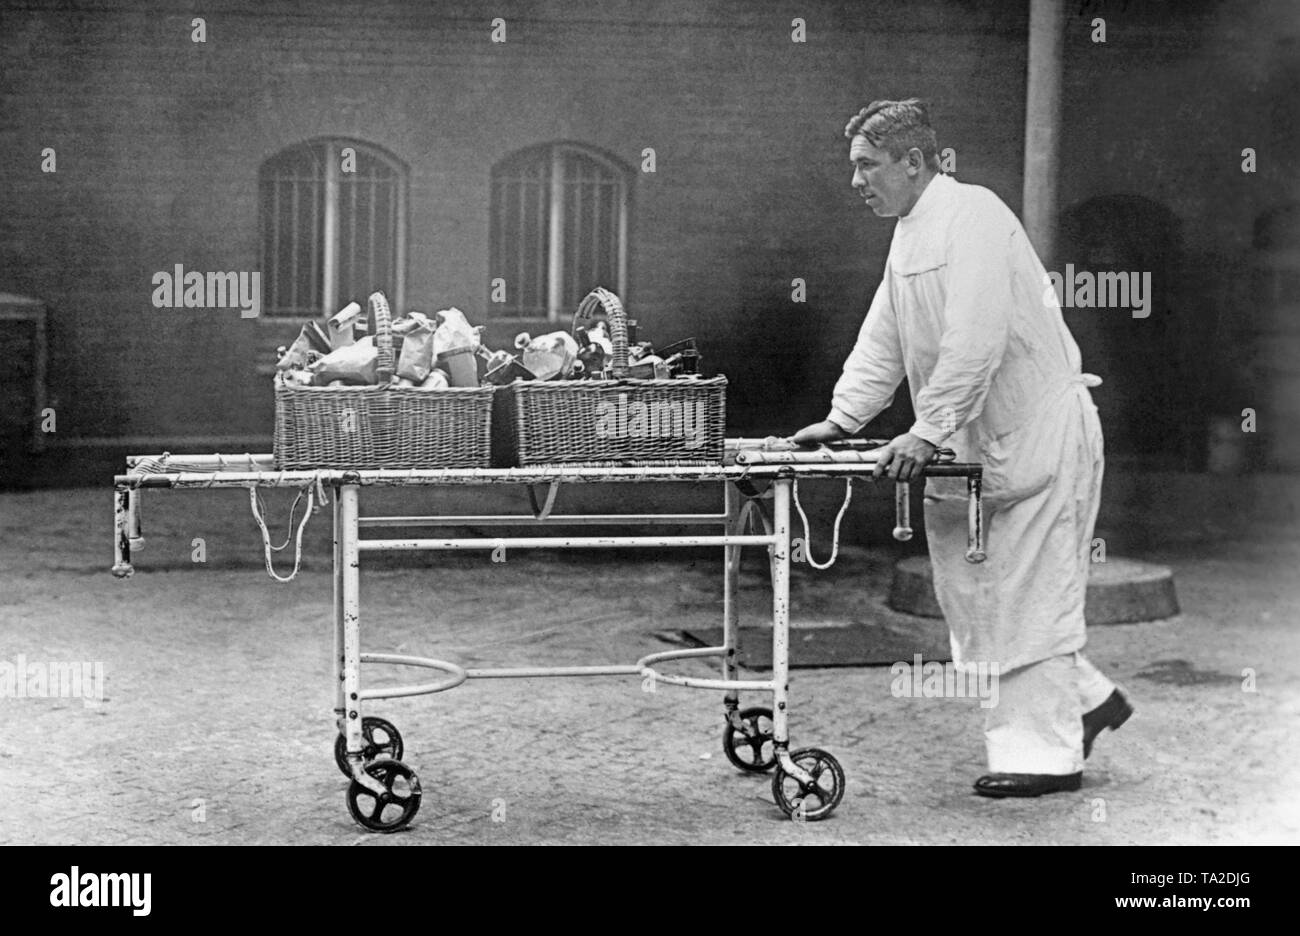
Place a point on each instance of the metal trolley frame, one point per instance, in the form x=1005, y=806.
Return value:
x=384, y=793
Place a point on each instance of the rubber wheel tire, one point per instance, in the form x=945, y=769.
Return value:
x=794, y=803
x=761, y=761
x=403, y=793
x=392, y=748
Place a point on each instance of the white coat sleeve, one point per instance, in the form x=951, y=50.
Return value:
x=976, y=325
x=874, y=368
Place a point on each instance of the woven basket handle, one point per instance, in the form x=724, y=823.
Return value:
x=617, y=325
x=383, y=334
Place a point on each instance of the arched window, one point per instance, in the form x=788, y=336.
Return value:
x=558, y=228
x=333, y=226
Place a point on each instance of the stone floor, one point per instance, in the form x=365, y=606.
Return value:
x=215, y=726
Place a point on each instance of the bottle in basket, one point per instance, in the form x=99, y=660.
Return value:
x=550, y=356
x=454, y=346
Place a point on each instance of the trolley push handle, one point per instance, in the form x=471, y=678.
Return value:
x=127, y=535
x=902, y=511
x=857, y=445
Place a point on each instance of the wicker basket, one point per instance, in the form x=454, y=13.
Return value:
x=366, y=428
x=611, y=422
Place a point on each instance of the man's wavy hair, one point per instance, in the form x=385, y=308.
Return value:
x=896, y=127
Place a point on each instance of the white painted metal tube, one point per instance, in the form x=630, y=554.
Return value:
x=349, y=574
x=730, y=580
x=545, y=542
x=692, y=682
x=453, y=477
x=339, y=658
x=456, y=676
x=532, y=672
x=529, y=520
x=780, y=611
x=244, y=462
x=817, y=457
x=690, y=654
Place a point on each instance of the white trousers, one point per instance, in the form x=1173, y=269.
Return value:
x=1037, y=725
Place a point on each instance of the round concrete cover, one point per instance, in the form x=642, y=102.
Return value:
x=1120, y=591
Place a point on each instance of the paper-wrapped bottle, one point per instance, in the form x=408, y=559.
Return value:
x=549, y=356
x=356, y=363
x=343, y=326
x=454, y=344
x=310, y=345
x=416, y=358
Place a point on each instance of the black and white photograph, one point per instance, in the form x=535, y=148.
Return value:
x=650, y=423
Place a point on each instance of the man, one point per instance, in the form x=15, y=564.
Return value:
x=964, y=314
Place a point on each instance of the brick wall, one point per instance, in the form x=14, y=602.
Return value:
x=1162, y=110
x=159, y=141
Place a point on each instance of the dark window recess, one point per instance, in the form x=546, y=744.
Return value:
x=559, y=218
x=330, y=234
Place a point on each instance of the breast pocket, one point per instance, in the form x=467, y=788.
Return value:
x=920, y=293
x=918, y=265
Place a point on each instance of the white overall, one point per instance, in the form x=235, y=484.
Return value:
x=966, y=313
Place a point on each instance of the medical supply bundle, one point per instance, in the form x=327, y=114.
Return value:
x=645, y=408
x=422, y=391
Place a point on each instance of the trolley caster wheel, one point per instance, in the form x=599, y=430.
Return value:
x=398, y=804
x=750, y=747
x=388, y=744
x=808, y=802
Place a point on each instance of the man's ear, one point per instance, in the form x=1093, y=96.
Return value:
x=915, y=161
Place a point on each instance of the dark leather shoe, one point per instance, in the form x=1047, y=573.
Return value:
x=999, y=785
x=1110, y=714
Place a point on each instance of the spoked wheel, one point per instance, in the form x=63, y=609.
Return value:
x=750, y=747
x=808, y=802
x=381, y=740
x=391, y=810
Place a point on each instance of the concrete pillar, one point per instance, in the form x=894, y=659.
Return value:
x=1043, y=124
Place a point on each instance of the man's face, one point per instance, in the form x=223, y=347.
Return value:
x=882, y=181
